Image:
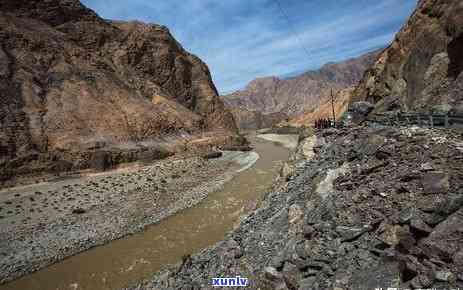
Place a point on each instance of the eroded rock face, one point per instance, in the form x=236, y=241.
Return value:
x=274, y=100
x=422, y=68
x=69, y=78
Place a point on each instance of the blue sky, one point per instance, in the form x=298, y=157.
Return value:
x=244, y=39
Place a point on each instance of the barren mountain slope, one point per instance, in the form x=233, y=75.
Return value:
x=325, y=111
x=73, y=84
x=305, y=92
x=422, y=69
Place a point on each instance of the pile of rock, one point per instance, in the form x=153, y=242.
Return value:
x=374, y=208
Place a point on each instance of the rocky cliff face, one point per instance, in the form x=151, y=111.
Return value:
x=73, y=82
x=297, y=95
x=421, y=69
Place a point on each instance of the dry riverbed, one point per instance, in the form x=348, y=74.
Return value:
x=44, y=223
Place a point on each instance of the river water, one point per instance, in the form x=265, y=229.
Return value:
x=136, y=257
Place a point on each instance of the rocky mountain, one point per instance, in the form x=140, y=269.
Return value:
x=291, y=97
x=422, y=69
x=76, y=88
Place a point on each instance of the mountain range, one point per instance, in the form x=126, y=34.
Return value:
x=267, y=101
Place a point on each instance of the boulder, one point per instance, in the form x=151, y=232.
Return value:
x=350, y=233
x=406, y=215
x=272, y=274
x=100, y=160
x=308, y=231
x=435, y=182
x=419, y=225
x=360, y=110
x=291, y=275
x=445, y=276
x=427, y=166
x=78, y=211
x=213, y=155
x=382, y=275
x=458, y=260
x=243, y=148
x=277, y=261
x=421, y=282
x=445, y=241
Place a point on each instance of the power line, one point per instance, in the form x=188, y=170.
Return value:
x=292, y=28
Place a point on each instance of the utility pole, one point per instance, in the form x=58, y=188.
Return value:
x=332, y=107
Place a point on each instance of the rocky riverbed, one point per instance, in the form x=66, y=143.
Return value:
x=359, y=208
x=44, y=223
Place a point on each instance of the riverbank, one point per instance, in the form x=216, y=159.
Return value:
x=45, y=223
x=362, y=208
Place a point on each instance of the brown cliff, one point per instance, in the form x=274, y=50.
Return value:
x=73, y=84
x=421, y=69
x=342, y=99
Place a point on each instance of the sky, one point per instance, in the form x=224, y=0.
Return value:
x=241, y=40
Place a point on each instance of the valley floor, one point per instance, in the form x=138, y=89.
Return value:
x=359, y=208
x=44, y=223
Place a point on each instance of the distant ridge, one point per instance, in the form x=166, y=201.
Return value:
x=270, y=100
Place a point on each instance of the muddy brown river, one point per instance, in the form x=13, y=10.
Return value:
x=136, y=257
